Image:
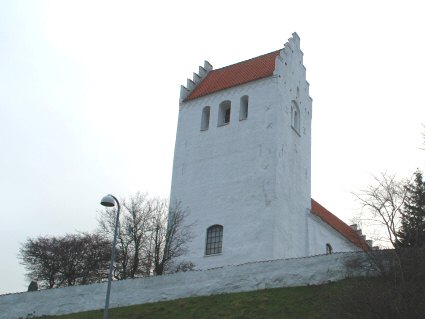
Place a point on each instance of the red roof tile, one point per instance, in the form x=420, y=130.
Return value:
x=235, y=74
x=338, y=225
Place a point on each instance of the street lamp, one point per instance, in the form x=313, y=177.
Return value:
x=109, y=201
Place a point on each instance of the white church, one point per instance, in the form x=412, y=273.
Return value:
x=242, y=165
x=242, y=168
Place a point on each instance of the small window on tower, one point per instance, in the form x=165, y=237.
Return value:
x=224, y=113
x=295, y=117
x=205, y=120
x=243, y=112
x=214, y=243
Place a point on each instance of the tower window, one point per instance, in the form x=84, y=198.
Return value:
x=205, y=120
x=243, y=111
x=295, y=117
x=328, y=249
x=214, y=243
x=224, y=113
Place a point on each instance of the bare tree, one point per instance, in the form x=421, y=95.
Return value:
x=396, y=291
x=133, y=235
x=151, y=236
x=83, y=259
x=39, y=258
x=382, y=210
x=170, y=235
x=67, y=260
x=382, y=204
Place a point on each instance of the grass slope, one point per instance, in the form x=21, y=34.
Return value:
x=285, y=303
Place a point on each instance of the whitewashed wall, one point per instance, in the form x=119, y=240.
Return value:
x=245, y=277
x=250, y=176
x=223, y=176
x=320, y=234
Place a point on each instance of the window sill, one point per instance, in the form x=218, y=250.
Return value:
x=224, y=124
x=212, y=255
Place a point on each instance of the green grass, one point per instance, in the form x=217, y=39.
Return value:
x=285, y=303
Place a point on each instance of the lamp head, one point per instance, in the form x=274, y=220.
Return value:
x=108, y=201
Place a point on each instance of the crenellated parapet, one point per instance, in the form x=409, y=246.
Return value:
x=290, y=63
x=291, y=50
x=358, y=231
x=292, y=44
x=196, y=79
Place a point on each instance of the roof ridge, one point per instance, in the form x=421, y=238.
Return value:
x=244, y=61
x=327, y=210
x=253, y=69
x=233, y=75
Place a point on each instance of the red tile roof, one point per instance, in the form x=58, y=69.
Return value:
x=235, y=74
x=338, y=225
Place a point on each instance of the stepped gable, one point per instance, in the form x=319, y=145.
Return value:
x=236, y=74
x=338, y=225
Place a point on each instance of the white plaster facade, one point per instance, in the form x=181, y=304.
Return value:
x=320, y=234
x=252, y=176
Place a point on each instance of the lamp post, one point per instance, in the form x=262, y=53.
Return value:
x=109, y=201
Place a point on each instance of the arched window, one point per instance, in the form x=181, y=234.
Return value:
x=224, y=113
x=295, y=117
x=205, y=120
x=214, y=243
x=328, y=249
x=243, y=111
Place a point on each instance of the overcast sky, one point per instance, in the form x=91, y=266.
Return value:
x=89, y=98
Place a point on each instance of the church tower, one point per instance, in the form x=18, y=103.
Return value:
x=242, y=159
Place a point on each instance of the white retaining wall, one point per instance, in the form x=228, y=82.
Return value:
x=246, y=277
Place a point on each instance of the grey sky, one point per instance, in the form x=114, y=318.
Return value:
x=89, y=98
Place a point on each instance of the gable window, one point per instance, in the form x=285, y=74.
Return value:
x=295, y=117
x=328, y=249
x=243, y=111
x=214, y=243
x=224, y=113
x=205, y=120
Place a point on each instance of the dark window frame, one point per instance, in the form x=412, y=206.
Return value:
x=214, y=241
x=329, y=249
x=224, y=113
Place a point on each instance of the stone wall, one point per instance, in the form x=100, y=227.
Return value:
x=246, y=277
